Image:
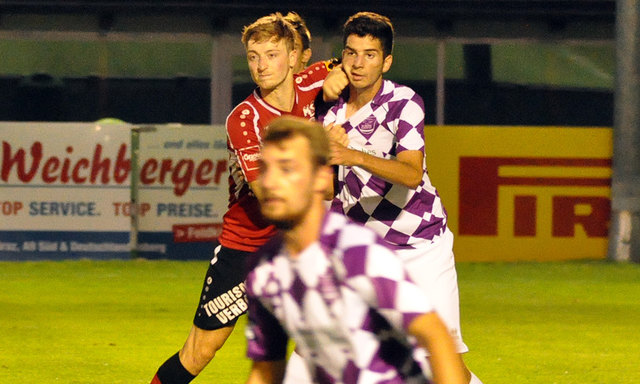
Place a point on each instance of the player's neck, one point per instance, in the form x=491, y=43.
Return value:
x=281, y=97
x=358, y=98
x=306, y=232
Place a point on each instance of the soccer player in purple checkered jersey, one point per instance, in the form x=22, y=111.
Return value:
x=382, y=177
x=331, y=284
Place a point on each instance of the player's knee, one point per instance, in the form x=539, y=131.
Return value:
x=196, y=357
x=201, y=347
x=203, y=354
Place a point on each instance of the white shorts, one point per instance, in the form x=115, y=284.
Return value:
x=433, y=269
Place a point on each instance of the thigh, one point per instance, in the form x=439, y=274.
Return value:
x=433, y=269
x=222, y=299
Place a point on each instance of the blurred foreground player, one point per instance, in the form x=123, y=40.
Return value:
x=331, y=284
x=269, y=44
x=382, y=178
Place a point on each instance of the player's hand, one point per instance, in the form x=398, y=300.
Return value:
x=341, y=155
x=337, y=134
x=338, y=145
x=335, y=82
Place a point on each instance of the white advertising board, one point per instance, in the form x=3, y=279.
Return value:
x=182, y=190
x=66, y=190
x=59, y=186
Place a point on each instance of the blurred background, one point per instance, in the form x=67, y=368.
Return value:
x=501, y=62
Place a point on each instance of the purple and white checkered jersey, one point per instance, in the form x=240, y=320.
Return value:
x=346, y=300
x=391, y=123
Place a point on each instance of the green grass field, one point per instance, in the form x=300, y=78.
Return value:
x=116, y=321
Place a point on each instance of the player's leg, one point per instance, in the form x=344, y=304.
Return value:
x=199, y=349
x=201, y=346
x=433, y=269
x=222, y=301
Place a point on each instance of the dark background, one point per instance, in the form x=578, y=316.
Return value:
x=476, y=99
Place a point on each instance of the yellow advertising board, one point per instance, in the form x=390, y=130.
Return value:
x=523, y=193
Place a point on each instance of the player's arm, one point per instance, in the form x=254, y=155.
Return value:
x=431, y=334
x=266, y=372
x=405, y=169
x=242, y=132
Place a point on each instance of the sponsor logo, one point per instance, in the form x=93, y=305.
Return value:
x=228, y=305
x=576, y=190
x=250, y=157
x=34, y=165
x=191, y=233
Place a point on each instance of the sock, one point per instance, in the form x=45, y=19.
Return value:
x=474, y=379
x=172, y=372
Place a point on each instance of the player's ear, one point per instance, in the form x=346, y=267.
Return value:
x=306, y=55
x=386, y=64
x=292, y=58
x=323, y=179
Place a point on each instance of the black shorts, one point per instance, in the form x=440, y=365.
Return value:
x=223, y=297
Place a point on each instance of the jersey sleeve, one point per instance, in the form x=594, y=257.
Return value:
x=266, y=340
x=410, y=123
x=380, y=277
x=243, y=135
x=314, y=73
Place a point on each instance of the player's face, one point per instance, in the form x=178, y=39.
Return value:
x=364, y=62
x=269, y=63
x=287, y=181
x=302, y=56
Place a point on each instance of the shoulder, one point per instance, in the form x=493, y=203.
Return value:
x=399, y=92
x=261, y=259
x=266, y=252
x=338, y=231
x=356, y=244
x=245, y=110
x=403, y=102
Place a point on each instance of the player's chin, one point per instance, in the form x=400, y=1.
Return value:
x=282, y=223
x=267, y=84
x=277, y=216
x=271, y=212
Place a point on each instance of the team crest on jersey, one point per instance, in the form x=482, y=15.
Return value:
x=250, y=157
x=368, y=125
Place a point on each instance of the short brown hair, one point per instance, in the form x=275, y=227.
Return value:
x=273, y=26
x=370, y=24
x=286, y=127
x=301, y=27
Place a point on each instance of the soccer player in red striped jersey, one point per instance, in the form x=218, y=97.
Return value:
x=245, y=125
x=271, y=57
